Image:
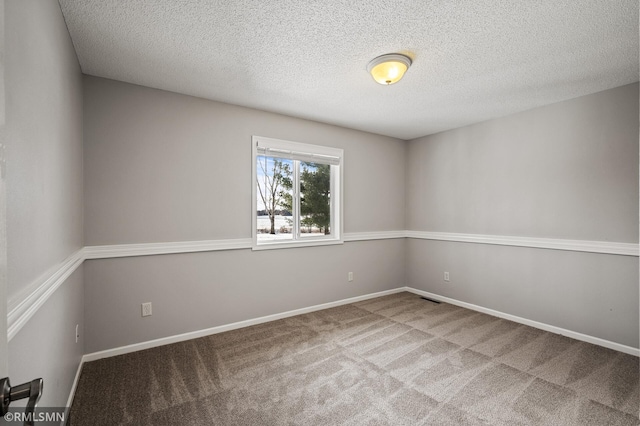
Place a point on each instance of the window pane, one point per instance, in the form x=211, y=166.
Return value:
x=315, y=199
x=274, y=198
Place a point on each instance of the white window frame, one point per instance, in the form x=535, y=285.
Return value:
x=297, y=150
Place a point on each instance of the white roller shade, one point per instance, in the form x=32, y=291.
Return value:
x=300, y=156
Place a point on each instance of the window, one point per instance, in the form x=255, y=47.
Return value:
x=296, y=194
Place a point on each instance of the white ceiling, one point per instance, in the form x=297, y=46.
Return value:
x=473, y=59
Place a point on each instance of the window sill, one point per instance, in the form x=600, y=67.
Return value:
x=299, y=243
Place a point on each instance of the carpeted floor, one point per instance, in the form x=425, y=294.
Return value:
x=394, y=360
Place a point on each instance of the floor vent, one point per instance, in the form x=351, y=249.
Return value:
x=430, y=300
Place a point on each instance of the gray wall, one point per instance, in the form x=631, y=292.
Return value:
x=44, y=117
x=44, y=187
x=46, y=345
x=4, y=362
x=567, y=170
x=196, y=291
x=166, y=167
x=162, y=167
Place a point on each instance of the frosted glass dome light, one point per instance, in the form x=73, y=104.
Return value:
x=389, y=69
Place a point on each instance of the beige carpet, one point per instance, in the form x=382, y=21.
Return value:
x=394, y=360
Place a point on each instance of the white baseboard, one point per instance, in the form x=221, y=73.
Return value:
x=542, y=326
x=74, y=386
x=233, y=326
x=240, y=324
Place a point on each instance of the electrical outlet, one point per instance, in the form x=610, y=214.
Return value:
x=446, y=276
x=77, y=333
x=350, y=276
x=146, y=309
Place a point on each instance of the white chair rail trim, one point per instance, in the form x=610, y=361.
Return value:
x=22, y=307
x=602, y=247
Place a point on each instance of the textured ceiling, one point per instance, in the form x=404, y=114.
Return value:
x=473, y=60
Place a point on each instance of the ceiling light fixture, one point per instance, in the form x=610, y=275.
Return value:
x=389, y=69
